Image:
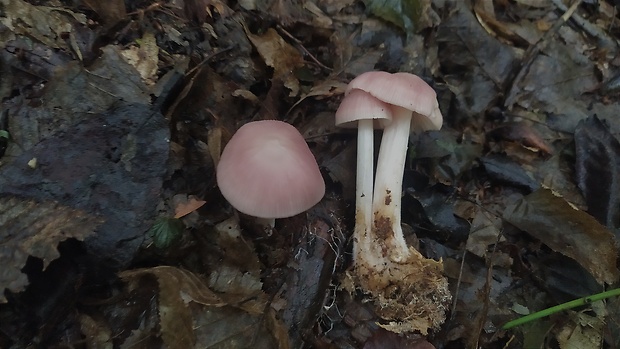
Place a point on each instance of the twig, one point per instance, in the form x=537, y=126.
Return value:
x=303, y=48
x=533, y=51
x=604, y=40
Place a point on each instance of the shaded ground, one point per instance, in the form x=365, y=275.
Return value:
x=113, y=232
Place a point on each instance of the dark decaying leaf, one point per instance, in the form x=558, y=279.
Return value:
x=31, y=228
x=597, y=170
x=568, y=231
x=563, y=278
x=507, y=171
x=522, y=133
x=110, y=164
x=318, y=246
x=434, y=213
x=475, y=64
x=74, y=94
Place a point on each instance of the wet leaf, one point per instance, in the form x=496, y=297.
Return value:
x=563, y=278
x=111, y=163
x=31, y=228
x=566, y=230
x=505, y=170
x=598, y=171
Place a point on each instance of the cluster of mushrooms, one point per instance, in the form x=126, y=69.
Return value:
x=268, y=171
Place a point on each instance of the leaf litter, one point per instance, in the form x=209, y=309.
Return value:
x=114, y=117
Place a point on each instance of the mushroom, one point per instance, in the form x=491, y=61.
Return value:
x=267, y=171
x=360, y=109
x=409, y=289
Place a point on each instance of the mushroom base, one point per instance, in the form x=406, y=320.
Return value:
x=412, y=295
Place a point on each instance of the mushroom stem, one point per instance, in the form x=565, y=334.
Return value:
x=363, y=193
x=388, y=185
x=266, y=224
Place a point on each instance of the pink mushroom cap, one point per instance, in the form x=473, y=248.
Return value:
x=267, y=170
x=360, y=105
x=403, y=90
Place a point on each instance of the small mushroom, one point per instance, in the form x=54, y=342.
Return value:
x=411, y=99
x=362, y=110
x=407, y=288
x=267, y=170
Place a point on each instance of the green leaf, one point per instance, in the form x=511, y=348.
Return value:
x=4, y=134
x=402, y=13
x=166, y=231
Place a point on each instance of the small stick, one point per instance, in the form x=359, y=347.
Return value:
x=301, y=46
x=532, y=52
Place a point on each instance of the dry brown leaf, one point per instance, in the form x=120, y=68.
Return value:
x=144, y=58
x=238, y=273
x=327, y=88
x=177, y=288
x=278, y=54
x=30, y=228
x=214, y=139
x=192, y=315
x=186, y=204
x=48, y=25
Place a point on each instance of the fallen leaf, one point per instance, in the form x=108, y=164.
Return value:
x=327, y=88
x=144, y=57
x=504, y=169
x=568, y=231
x=110, y=11
x=192, y=315
x=165, y=231
x=31, y=228
x=582, y=330
x=177, y=287
x=110, y=163
x=597, y=169
x=282, y=57
x=49, y=25
x=523, y=133
x=186, y=204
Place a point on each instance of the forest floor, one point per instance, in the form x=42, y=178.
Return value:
x=113, y=232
